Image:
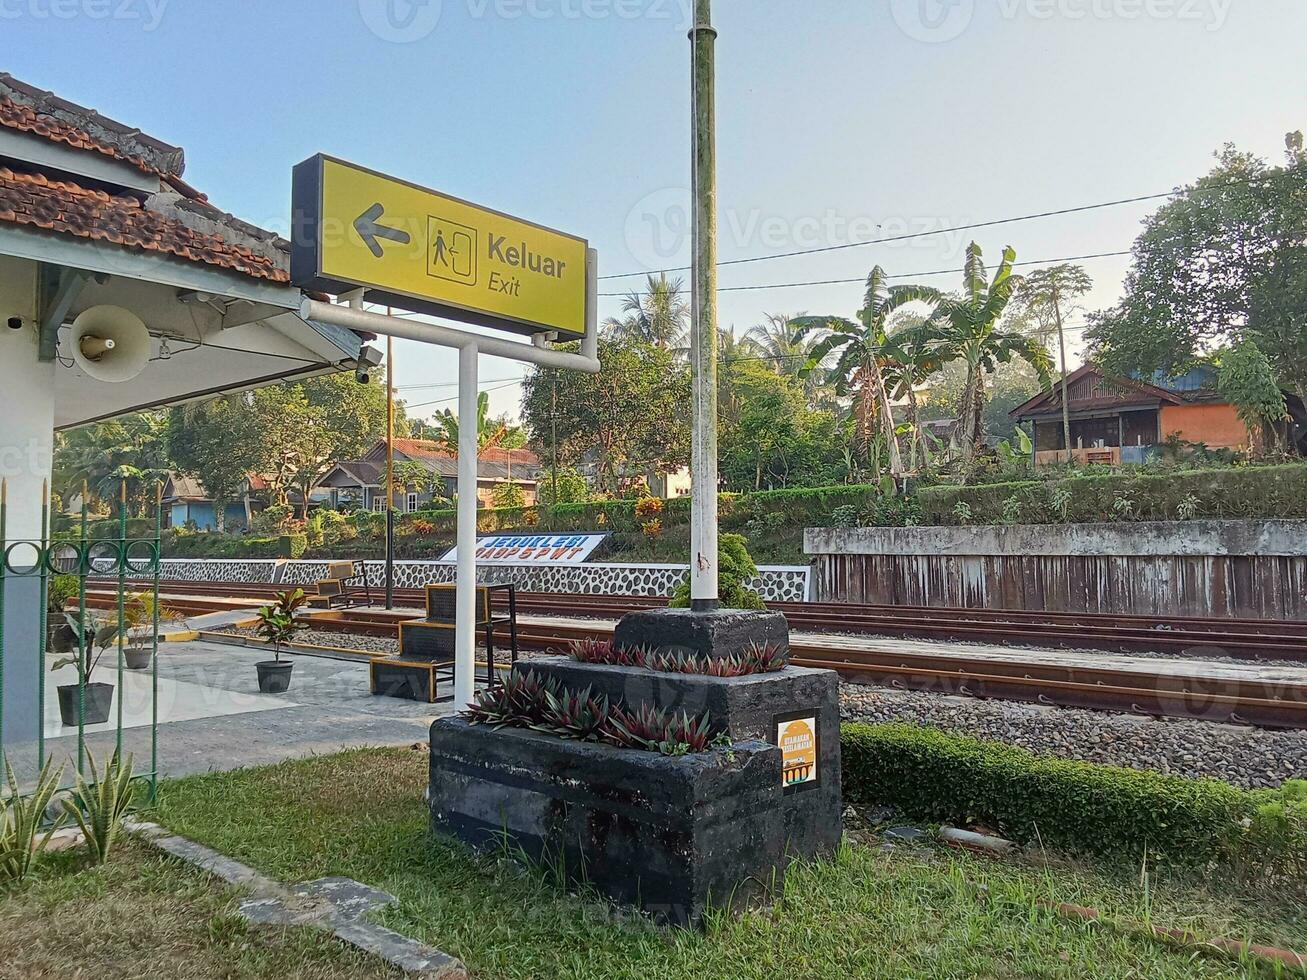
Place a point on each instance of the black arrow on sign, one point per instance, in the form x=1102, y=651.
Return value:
x=366, y=225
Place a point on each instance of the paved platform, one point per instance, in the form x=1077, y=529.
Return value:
x=212, y=716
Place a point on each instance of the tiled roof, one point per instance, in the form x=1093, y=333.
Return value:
x=32, y=110
x=425, y=449
x=67, y=208
x=176, y=220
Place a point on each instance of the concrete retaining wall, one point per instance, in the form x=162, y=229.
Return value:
x=1246, y=569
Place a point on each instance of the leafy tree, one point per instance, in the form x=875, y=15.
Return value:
x=507, y=495
x=1047, y=296
x=860, y=368
x=659, y=316
x=1223, y=263
x=777, y=340
x=564, y=485
x=1247, y=379
x=131, y=450
x=216, y=442
x=966, y=328
x=631, y=417
x=773, y=438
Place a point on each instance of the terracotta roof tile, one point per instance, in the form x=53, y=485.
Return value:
x=68, y=208
x=27, y=119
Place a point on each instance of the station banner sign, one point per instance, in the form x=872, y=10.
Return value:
x=421, y=250
x=533, y=549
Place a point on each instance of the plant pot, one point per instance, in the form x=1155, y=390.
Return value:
x=137, y=658
x=99, y=701
x=274, y=676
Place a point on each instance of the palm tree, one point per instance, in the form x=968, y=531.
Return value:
x=911, y=358
x=490, y=432
x=1048, y=294
x=131, y=450
x=966, y=328
x=860, y=368
x=777, y=340
x=658, y=316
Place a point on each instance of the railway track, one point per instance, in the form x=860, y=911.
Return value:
x=1201, y=638
x=1141, y=689
x=1153, y=687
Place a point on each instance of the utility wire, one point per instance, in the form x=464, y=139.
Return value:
x=1183, y=192
x=903, y=275
x=441, y=401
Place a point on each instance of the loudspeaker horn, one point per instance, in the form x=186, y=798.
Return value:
x=110, y=343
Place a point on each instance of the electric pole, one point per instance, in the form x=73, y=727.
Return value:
x=390, y=470
x=703, y=323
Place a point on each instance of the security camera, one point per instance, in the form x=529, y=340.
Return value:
x=363, y=375
x=15, y=323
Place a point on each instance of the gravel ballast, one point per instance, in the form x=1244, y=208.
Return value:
x=1251, y=758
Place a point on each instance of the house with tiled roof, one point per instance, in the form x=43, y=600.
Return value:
x=96, y=215
x=361, y=482
x=1126, y=420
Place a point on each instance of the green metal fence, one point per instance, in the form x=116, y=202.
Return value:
x=79, y=561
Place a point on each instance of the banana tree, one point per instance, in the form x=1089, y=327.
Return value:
x=966, y=328
x=863, y=347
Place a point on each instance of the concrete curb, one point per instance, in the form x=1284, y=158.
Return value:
x=335, y=905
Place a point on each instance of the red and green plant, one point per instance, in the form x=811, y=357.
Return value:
x=757, y=659
x=525, y=700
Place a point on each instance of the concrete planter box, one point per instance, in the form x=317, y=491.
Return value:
x=669, y=835
x=755, y=707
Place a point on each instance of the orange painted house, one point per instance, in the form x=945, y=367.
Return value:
x=1125, y=420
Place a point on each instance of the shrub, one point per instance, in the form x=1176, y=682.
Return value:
x=21, y=818
x=524, y=700
x=1074, y=806
x=758, y=659
x=1255, y=492
x=292, y=545
x=735, y=568
x=508, y=496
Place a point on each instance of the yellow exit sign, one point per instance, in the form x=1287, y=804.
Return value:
x=427, y=252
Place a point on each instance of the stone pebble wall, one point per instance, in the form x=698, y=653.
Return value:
x=774, y=583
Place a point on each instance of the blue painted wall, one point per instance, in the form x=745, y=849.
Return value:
x=204, y=516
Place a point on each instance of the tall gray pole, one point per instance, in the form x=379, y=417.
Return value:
x=703, y=324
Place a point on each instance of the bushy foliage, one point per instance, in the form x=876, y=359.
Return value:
x=735, y=569
x=1079, y=807
x=1262, y=492
x=525, y=700
x=757, y=659
x=508, y=495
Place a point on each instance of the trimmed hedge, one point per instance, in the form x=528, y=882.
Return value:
x=1072, y=806
x=1262, y=492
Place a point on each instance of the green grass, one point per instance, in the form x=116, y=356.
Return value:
x=146, y=915
x=865, y=913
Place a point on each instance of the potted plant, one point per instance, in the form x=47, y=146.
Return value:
x=277, y=625
x=138, y=620
x=62, y=637
x=101, y=635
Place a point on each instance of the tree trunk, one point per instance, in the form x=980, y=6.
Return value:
x=1061, y=345
x=887, y=418
x=220, y=515
x=971, y=420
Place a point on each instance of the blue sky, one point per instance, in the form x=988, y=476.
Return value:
x=839, y=120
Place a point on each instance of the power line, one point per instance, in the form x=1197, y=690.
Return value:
x=441, y=401
x=903, y=275
x=1183, y=192
x=449, y=384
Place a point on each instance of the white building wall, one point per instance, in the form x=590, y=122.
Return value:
x=27, y=388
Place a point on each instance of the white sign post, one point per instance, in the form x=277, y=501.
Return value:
x=357, y=228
